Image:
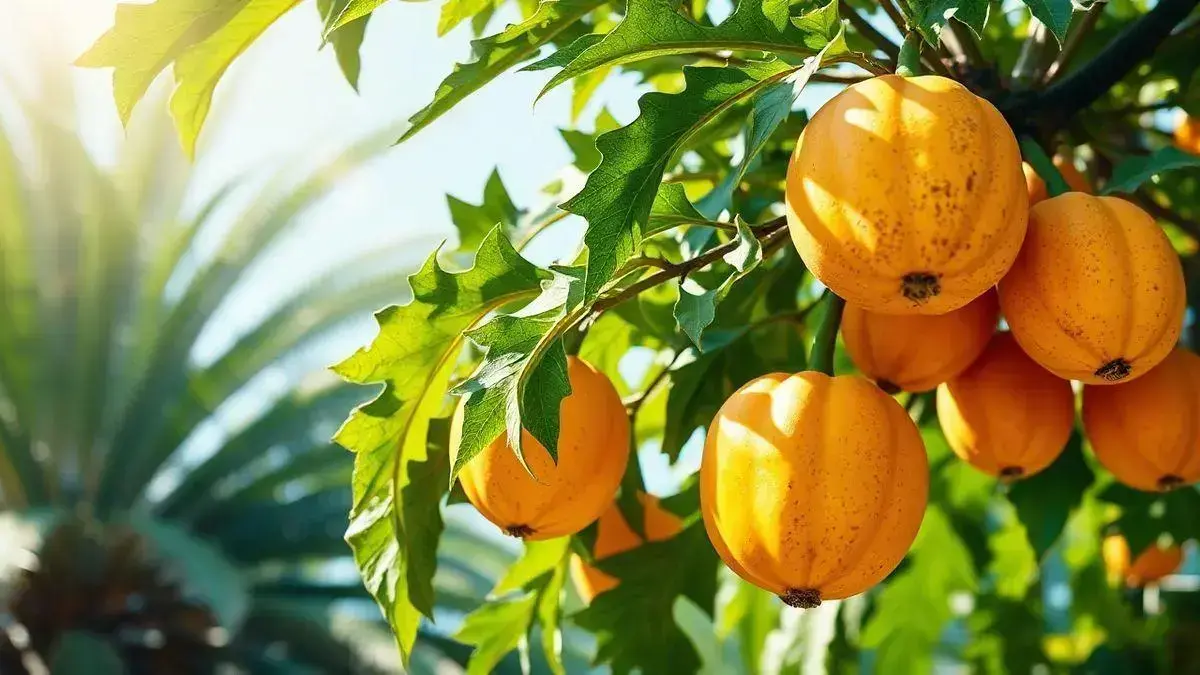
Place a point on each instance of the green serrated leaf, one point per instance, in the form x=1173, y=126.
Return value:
x=198, y=69
x=522, y=379
x=654, y=28
x=146, y=38
x=1055, y=14
x=1045, y=501
x=931, y=16
x=671, y=208
x=634, y=623
x=497, y=53
x=564, y=56
x=395, y=517
x=697, y=307
x=618, y=195
x=474, y=221
x=1129, y=174
x=346, y=42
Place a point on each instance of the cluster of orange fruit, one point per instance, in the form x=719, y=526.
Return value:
x=908, y=198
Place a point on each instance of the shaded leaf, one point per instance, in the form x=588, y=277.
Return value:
x=634, y=623
x=931, y=16
x=1055, y=14
x=522, y=379
x=393, y=530
x=474, y=221
x=1147, y=516
x=1045, y=501
x=347, y=41
x=1129, y=174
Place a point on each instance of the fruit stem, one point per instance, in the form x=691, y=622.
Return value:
x=825, y=341
x=909, y=63
x=1040, y=161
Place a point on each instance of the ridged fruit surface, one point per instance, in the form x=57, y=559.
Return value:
x=812, y=487
x=905, y=195
x=593, y=449
x=917, y=352
x=1147, y=432
x=613, y=536
x=1006, y=415
x=1097, y=294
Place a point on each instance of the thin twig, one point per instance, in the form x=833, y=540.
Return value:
x=634, y=402
x=868, y=31
x=895, y=15
x=539, y=228
x=1082, y=29
x=834, y=78
x=1028, y=68
x=966, y=41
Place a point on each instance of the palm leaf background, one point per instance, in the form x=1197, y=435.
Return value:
x=108, y=420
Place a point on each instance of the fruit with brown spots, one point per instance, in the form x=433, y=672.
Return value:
x=1187, y=134
x=812, y=487
x=1151, y=565
x=1006, y=415
x=905, y=195
x=593, y=449
x=917, y=352
x=1097, y=294
x=1147, y=432
x=613, y=536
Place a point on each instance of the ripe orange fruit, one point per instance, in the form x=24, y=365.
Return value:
x=917, y=352
x=1147, y=432
x=1187, y=134
x=1151, y=565
x=1036, y=187
x=613, y=536
x=1006, y=415
x=1097, y=294
x=593, y=449
x=812, y=487
x=905, y=195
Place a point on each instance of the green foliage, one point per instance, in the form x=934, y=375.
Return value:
x=1130, y=174
x=1045, y=501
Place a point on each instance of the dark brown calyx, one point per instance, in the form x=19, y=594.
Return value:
x=1169, y=482
x=518, y=531
x=920, y=286
x=804, y=598
x=1115, y=370
x=1011, y=474
x=888, y=387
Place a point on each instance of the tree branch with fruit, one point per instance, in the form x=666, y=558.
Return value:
x=731, y=237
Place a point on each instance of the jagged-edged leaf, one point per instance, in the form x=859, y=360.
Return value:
x=198, y=69
x=497, y=53
x=671, y=207
x=634, y=623
x=146, y=38
x=931, y=16
x=583, y=144
x=654, y=28
x=567, y=54
x=474, y=221
x=394, y=520
x=1129, y=174
x=618, y=195
x=1055, y=14
x=523, y=377
x=1045, y=501
x=498, y=627
x=346, y=41
x=697, y=306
